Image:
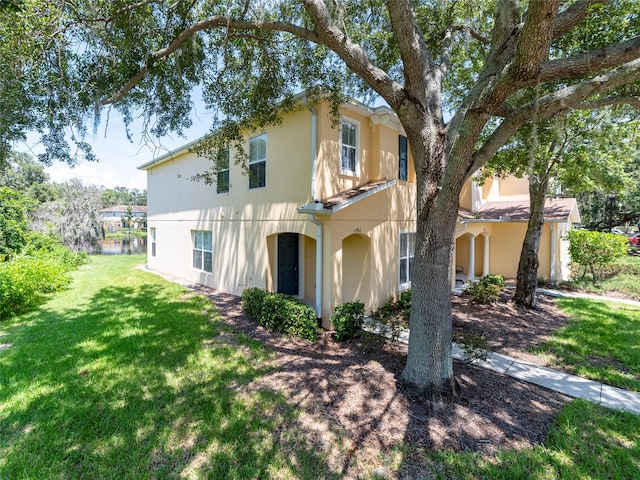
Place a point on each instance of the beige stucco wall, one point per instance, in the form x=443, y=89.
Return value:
x=242, y=220
x=505, y=243
x=513, y=187
x=360, y=242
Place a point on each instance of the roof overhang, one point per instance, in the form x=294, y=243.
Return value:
x=345, y=199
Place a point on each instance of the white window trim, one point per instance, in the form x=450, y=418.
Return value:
x=228, y=169
x=405, y=285
x=251, y=162
x=356, y=123
x=154, y=242
x=193, y=247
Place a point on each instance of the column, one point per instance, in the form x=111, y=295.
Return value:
x=471, y=276
x=485, y=260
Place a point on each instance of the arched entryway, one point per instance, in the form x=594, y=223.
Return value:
x=356, y=269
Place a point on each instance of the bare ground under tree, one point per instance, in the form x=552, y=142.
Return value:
x=349, y=391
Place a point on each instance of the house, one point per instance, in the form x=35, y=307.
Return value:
x=326, y=214
x=115, y=217
x=492, y=222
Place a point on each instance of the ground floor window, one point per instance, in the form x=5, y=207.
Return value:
x=202, y=250
x=153, y=241
x=405, y=258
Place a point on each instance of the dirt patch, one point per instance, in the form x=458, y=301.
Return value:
x=349, y=391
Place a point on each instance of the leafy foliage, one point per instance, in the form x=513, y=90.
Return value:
x=280, y=313
x=14, y=217
x=595, y=250
x=487, y=289
x=473, y=346
x=347, y=320
x=41, y=269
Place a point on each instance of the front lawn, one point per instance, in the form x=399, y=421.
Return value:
x=621, y=277
x=601, y=342
x=128, y=376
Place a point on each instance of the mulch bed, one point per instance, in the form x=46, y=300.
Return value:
x=350, y=390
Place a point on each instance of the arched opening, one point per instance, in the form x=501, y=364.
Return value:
x=356, y=269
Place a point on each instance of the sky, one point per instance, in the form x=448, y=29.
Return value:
x=118, y=158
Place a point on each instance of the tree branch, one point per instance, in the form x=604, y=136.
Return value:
x=477, y=35
x=572, y=16
x=555, y=103
x=207, y=24
x=606, y=102
x=417, y=61
x=328, y=34
x=534, y=40
x=590, y=62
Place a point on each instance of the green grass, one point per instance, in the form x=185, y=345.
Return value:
x=587, y=442
x=128, y=376
x=601, y=342
x=621, y=277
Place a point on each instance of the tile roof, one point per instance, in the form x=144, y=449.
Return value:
x=518, y=210
x=123, y=208
x=338, y=200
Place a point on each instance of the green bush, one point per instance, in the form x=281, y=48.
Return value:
x=595, y=250
x=487, y=289
x=24, y=281
x=399, y=309
x=280, y=313
x=48, y=246
x=404, y=303
x=300, y=321
x=252, y=299
x=347, y=320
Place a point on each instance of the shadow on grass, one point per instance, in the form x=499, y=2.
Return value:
x=130, y=385
x=600, y=342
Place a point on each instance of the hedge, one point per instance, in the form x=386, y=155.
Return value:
x=280, y=313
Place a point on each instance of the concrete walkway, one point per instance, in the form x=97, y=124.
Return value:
x=571, y=385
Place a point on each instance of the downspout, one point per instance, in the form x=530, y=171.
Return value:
x=319, y=231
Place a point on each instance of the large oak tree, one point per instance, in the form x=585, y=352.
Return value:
x=474, y=59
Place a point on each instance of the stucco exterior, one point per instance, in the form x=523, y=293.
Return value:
x=330, y=233
x=359, y=237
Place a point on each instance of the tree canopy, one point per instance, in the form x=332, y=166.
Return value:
x=494, y=66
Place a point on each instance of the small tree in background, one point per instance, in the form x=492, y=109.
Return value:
x=595, y=250
x=14, y=218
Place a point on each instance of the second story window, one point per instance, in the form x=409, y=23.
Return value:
x=222, y=182
x=258, y=162
x=403, y=158
x=349, y=147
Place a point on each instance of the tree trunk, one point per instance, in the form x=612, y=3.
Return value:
x=527, y=279
x=429, y=367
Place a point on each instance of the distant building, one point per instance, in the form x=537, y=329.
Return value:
x=115, y=217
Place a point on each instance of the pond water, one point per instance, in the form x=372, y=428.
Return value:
x=122, y=246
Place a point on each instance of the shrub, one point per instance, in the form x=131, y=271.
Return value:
x=48, y=246
x=252, y=299
x=473, y=346
x=347, y=320
x=24, y=281
x=404, y=303
x=280, y=313
x=595, y=250
x=399, y=309
x=487, y=289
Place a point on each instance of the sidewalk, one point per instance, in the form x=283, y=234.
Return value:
x=571, y=385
